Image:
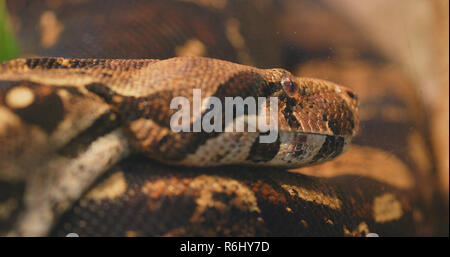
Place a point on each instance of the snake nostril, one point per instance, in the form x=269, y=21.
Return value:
x=352, y=95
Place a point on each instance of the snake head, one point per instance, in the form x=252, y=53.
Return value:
x=315, y=106
x=316, y=120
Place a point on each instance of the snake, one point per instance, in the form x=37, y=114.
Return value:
x=89, y=150
x=316, y=119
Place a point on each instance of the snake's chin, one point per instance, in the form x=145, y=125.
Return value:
x=297, y=149
x=290, y=150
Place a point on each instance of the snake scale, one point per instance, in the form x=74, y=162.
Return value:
x=79, y=132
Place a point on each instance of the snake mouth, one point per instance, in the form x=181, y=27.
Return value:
x=290, y=150
x=298, y=149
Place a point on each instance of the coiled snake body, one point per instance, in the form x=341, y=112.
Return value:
x=67, y=121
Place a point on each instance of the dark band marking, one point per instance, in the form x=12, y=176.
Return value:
x=271, y=88
x=352, y=95
x=60, y=63
x=45, y=63
x=46, y=111
x=102, y=90
x=344, y=126
x=55, y=63
x=72, y=90
x=288, y=112
x=332, y=147
x=260, y=152
x=334, y=125
x=102, y=126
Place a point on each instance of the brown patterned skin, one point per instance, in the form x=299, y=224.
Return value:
x=234, y=201
x=139, y=92
x=316, y=120
x=379, y=183
x=372, y=188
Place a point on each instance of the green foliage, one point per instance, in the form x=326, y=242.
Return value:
x=8, y=45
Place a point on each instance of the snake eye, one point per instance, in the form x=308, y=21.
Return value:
x=289, y=86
